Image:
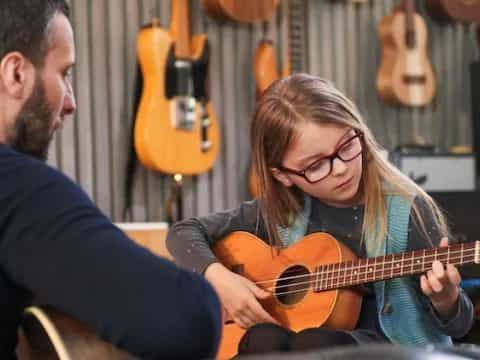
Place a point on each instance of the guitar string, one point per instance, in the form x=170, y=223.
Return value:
x=463, y=253
x=325, y=274
x=331, y=284
x=309, y=286
x=360, y=278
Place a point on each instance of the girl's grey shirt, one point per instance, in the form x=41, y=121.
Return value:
x=190, y=242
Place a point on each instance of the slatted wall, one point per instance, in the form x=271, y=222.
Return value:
x=342, y=45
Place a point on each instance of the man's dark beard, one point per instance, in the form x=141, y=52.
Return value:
x=30, y=134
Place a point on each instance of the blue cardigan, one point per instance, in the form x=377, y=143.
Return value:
x=406, y=319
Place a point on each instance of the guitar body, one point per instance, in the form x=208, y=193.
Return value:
x=303, y=308
x=266, y=72
x=454, y=10
x=47, y=333
x=405, y=75
x=265, y=66
x=245, y=11
x=169, y=138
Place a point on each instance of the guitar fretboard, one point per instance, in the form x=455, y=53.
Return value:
x=350, y=273
x=295, y=35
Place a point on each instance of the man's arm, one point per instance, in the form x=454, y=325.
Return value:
x=59, y=246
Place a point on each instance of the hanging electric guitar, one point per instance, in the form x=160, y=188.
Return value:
x=312, y=281
x=175, y=129
x=405, y=75
x=265, y=64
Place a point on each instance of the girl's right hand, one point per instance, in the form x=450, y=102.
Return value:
x=239, y=296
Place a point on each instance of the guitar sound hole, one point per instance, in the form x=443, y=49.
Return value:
x=292, y=285
x=414, y=79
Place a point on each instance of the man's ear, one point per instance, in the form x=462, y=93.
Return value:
x=282, y=177
x=16, y=74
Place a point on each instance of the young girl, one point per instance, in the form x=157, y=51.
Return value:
x=319, y=170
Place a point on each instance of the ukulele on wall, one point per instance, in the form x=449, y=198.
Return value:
x=176, y=130
x=405, y=75
x=266, y=70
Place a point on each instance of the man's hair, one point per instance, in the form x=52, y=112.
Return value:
x=24, y=27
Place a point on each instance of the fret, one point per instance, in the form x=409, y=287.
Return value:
x=397, y=264
x=370, y=269
x=417, y=265
x=461, y=254
x=315, y=285
x=332, y=276
x=361, y=271
x=358, y=273
x=320, y=277
x=336, y=271
x=345, y=274
x=392, y=266
x=374, y=272
x=423, y=261
x=351, y=271
x=323, y=278
x=329, y=267
x=402, y=263
x=383, y=269
x=412, y=261
x=448, y=255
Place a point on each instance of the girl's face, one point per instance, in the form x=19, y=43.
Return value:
x=335, y=181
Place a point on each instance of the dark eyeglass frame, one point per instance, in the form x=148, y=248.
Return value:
x=331, y=157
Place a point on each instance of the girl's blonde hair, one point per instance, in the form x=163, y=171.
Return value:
x=300, y=98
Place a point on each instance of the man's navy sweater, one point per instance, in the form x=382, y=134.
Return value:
x=56, y=246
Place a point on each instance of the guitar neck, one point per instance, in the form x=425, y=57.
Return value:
x=347, y=274
x=409, y=9
x=180, y=29
x=295, y=35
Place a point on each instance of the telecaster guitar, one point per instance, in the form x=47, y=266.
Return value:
x=175, y=129
x=311, y=281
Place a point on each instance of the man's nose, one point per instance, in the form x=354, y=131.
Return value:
x=69, y=105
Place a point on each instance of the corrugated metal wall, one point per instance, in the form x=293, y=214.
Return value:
x=342, y=45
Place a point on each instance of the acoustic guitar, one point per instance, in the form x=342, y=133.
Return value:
x=454, y=10
x=405, y=75
x=244, y=11
x=266, y=70
x=176, y=130
x=312, y=281
x=49, y=334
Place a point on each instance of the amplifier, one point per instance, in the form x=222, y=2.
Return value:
x=438, y=172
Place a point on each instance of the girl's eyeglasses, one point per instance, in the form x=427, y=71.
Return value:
x=321, y=168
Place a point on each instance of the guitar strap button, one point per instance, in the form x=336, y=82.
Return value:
x=387, y=308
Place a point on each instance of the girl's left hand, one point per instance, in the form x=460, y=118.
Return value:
x=441, y=285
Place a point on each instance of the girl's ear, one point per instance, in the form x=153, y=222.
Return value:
x=282, y=177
